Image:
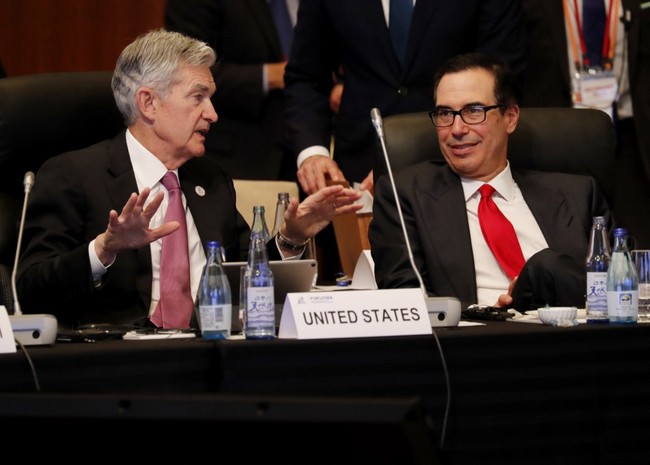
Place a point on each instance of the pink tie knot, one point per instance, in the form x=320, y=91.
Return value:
x=170, y=181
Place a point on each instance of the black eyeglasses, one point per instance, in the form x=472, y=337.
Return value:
x=475, y=114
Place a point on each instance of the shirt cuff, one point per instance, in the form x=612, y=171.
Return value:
x=312, y=151
x=265, y=78
x=96, y=266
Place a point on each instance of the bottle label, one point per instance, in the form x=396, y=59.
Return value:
x=260, y=307
x=215, y=317
x=622, y=304
x=596, y=304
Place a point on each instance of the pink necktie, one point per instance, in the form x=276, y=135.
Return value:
x=175, y=307
x=499, y=234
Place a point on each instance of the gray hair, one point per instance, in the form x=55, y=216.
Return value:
x=152, y=60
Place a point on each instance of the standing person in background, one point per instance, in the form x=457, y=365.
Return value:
x=250, y=139
x=386, y=53
x=356, y=36
x=557, y=31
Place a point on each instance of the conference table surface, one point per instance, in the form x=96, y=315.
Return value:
x=519, y=392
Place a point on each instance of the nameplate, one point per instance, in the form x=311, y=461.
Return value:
x=363, y=313
x=7, y=341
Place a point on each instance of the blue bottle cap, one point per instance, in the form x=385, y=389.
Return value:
x=618, y=232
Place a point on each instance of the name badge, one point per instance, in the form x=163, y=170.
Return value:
x=363, y=313
x=596, y=88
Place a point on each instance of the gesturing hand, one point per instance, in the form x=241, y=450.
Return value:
x=130, y=228
x=308, y=218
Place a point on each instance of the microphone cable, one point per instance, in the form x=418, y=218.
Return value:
x=37, y=384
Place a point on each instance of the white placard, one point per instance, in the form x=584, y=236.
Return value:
x=364, y=272
x=354, y=313
x=7, y=342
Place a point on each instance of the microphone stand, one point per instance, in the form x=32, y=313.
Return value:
x=30, y=329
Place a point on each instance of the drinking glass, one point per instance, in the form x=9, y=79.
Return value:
x=641, y=260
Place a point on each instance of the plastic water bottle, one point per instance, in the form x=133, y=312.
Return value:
x=259, y=310
x=622, y=282
x=280, y=209
x=214, y=298
x=597, y=264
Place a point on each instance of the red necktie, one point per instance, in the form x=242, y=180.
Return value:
x=499, y=234
x=175, y=307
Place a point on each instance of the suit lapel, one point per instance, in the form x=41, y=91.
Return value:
x=210, y=200
x=199, y=195
x=549, y=209
x=260, y=12
x=555, y=17
x=373, y=12
x=441, y=206
x=120, y=186
x=422, y=14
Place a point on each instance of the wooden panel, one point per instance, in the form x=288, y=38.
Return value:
x=39, y=36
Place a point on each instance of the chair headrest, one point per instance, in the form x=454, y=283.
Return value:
x=43, y=115
x=568, y=140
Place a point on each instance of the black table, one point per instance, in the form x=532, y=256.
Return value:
x=520, y=392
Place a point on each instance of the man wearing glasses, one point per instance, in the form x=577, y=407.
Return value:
x=449, y=223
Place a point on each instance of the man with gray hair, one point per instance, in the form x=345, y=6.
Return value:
x=96, y=228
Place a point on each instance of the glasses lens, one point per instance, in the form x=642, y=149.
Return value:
x=443, y=117
x=473, y=115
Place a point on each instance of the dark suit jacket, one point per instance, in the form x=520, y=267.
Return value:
x=249, y=138
x=69, y=207
x=354, y=34
x=433, y=206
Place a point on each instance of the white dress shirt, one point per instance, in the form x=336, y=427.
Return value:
x=148, y=170
x=491, y=281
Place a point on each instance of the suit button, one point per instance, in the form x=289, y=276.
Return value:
x=402, y=91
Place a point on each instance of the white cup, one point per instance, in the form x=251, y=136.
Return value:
x=641, y=259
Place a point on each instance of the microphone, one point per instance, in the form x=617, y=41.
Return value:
x=36, y=329
x=443, y=311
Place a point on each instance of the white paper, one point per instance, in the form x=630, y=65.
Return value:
x=365, y=200
x=364, y=272
x=140, y=336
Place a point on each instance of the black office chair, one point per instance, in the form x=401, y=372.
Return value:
x=567, y=140
x=41, y=116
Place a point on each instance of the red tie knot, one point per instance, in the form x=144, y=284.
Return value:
x=486, y=190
